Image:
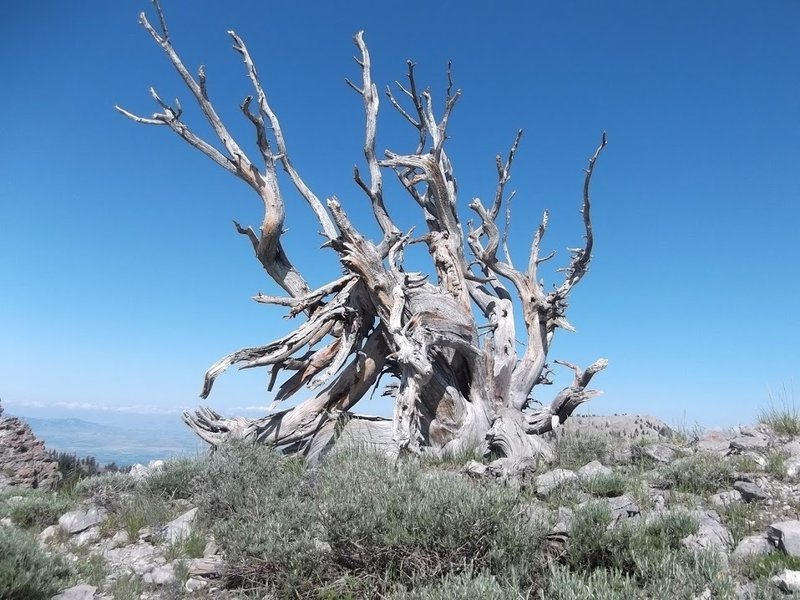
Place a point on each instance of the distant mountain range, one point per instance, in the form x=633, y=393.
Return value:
x=140, y=442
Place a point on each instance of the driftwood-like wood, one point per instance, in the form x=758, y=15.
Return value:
x=458, y=382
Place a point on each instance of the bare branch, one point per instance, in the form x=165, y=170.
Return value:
x=369, y=92
x=581, y=256
x=503, y=175
x=268, y=114
x=139, y=119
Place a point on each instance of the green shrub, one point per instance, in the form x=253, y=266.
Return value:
x=613, y=561
x=763, y=567
x=575, y=448
x=563, y=584
x=776, y=460
x=698, y=474
x=190, y=547
x=26, y=573
x=607, y=486
x=415, y=528
x=142, y=510
x=36, y=510
x=782, y=414
x=259, y=507
x=92, y=570
x=742, y=518
x=108, y=490
x=464, y=585
x=175, y=479
x=127, y=587
x=595, y=543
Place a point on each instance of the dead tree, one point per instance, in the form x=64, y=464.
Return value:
x=458, y=381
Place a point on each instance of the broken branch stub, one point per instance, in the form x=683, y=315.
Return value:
x=448, y=342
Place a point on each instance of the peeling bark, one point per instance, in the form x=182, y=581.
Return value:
x=449, y=346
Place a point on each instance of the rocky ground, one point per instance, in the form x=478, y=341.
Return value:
x=739, y=488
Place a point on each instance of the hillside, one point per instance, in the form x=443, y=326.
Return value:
x=620, y=513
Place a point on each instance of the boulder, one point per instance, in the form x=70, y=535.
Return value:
x=192, y=584
x=718, y=442
x=750, y=440
x=475, y=469
x=753, y=545
x=750, y=491
x=79, y=592
x=48, y=533
x=711, y=533
x=547, y=483
x=623, y=507
x=785, y=536
x=180, y=528
x=80, y=520
x=724, y=499
x=660, y=453
x=787, y=581
x=163, y=575
x=593, y=469
x=792, y=448
x=791, y=466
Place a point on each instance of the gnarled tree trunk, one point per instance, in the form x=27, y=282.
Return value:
x=459, y=383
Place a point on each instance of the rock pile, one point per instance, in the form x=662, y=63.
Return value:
x=24, y=462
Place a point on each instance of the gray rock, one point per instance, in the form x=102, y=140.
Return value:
x=86, y=537
x=753, y=545
x=660, y=453
x=563, y=521
x=138, y=558
x=475, y=469
x=750, y=440
x=724, y=499
x=750, y=491
x=48, y=533
x=163, y=575
x=180, y=528
x=6, y=522
x=79, y=592
x=785, y=536
x=536, y=514
x=593, y=469
x=192, y=584
x=791, y=466
x=718, y=442
x=79, y=520
x=711, y=533
x=792, y=448
x=756, y=458
x=120, y=539
x=547, y=483
x=623, y=507
x=787, y=581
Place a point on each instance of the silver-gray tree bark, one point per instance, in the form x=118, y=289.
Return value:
x=458, y=381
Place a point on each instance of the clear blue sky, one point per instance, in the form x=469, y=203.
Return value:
x=123, y=279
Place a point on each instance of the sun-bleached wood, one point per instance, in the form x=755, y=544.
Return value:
x=449, y=346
